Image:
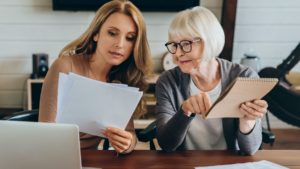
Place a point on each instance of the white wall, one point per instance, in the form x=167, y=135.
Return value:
x=269, y=28
x=26, y=27
x=31, y=26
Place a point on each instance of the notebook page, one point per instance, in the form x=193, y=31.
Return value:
x=244, y=89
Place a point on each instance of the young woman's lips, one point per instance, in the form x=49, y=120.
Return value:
x=116, y=54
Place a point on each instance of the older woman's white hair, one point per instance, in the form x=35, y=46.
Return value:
x=199, y=22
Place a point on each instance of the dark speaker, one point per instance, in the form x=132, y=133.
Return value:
x=39, y=65
x=36, y=89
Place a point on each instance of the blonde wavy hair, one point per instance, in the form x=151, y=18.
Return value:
x=138, y=66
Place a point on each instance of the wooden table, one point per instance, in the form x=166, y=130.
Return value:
x=186, y=159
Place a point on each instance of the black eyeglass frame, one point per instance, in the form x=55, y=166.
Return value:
x=190, y=42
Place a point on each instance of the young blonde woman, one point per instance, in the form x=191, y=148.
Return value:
x=113, y=48
x=196, y=38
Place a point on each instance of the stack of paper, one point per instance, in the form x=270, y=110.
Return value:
x=94, y=105
x=250, y=165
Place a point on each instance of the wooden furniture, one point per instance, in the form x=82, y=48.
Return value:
x=185, y=159
x=34, y=87
x=228, y=24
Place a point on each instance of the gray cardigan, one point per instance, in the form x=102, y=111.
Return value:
x=172, y=88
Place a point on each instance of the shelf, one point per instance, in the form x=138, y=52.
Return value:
x=34, y=102
x=35, y=81
x=141, y=124
x=34, y=87
x=150, y=99
x=150, y=103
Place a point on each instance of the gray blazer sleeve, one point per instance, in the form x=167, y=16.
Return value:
x=250, y=143
x=172, y=124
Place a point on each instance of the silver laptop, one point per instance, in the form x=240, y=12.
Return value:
x=29, y=145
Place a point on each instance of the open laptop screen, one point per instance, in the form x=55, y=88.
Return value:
x=39, y=145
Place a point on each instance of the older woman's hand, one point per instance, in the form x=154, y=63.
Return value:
x=198, y=104
x=121, y=140
x=251, y=111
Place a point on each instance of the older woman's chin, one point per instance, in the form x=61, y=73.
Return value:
x=186, y=69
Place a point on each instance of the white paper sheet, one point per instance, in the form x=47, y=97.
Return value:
x=94, y=105
x=250, y=165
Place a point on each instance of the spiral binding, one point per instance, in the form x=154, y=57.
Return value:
x=253, y=79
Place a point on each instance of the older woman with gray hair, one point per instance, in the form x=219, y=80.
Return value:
x=183, y=93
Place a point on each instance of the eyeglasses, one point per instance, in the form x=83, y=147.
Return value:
x=185, y=45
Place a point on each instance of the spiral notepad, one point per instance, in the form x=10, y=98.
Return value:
x=241, y=90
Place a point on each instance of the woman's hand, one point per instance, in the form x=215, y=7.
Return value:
x=196, y=104
x=251, y=111
x=121, y=140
